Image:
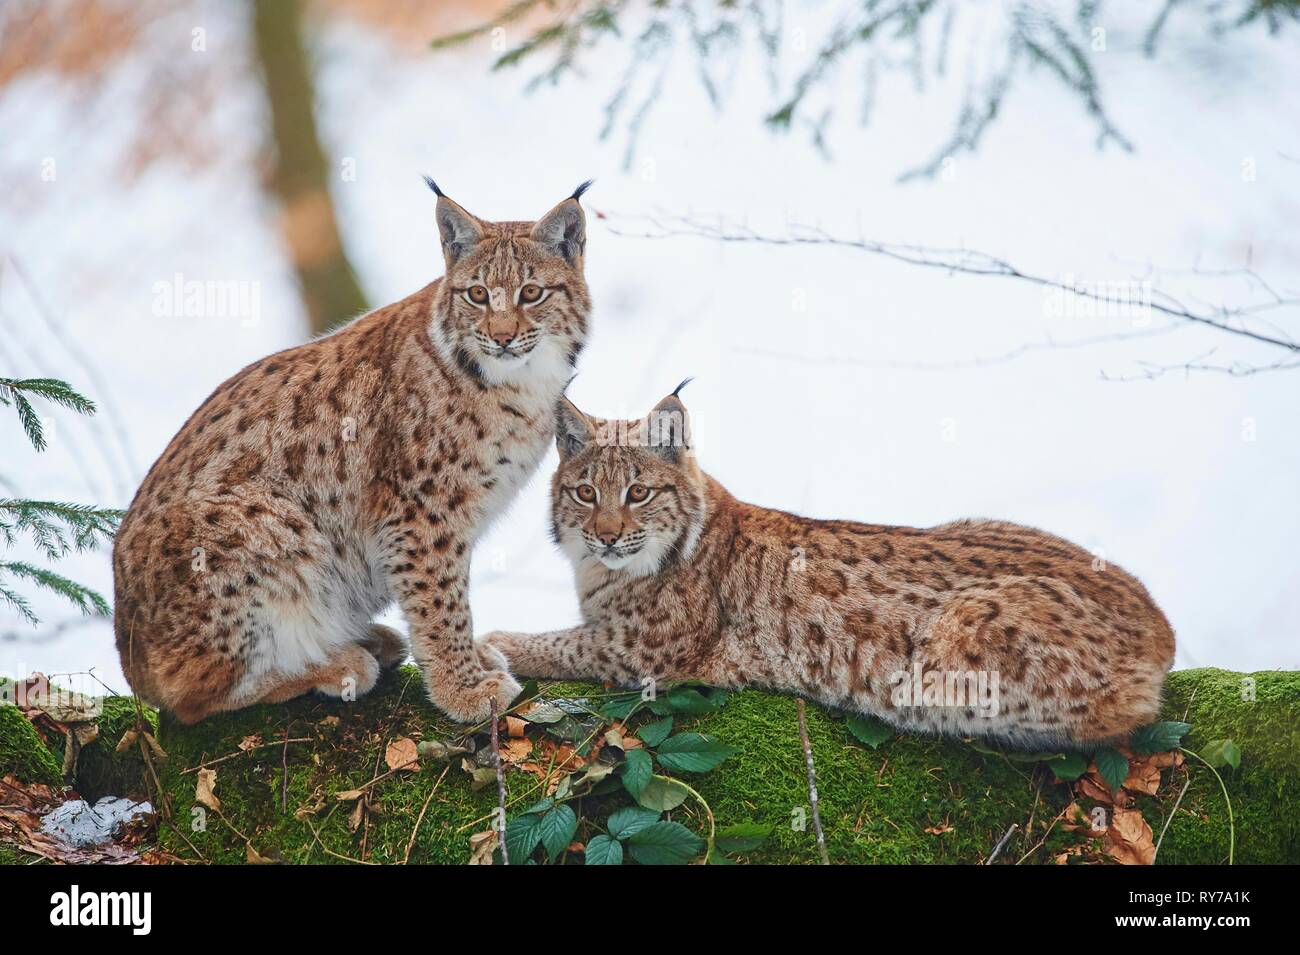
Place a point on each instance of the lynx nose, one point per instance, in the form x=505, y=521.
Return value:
x=607, y=537
x=503, y=338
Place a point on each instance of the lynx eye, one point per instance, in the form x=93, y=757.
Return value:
x=585, y=493
x=478, y=294
x=638, y=493
x=530, y=293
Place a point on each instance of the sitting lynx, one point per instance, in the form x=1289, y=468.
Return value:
x=321, y=483
x=970, y=628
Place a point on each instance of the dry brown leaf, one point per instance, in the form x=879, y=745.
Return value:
x=516, y=750
x=1074, y=818
x=348, y=795
x=939, y=829
x=481, y=847
x=515, y=726
x=1094, y=787
x=204, y=793
x=401, y=754
x=1129, y=839
x=250, y=742
x=631, y=742
x=1142, y=778
x=127, y=741
x=154, y=746
x=314, y=804
x=329, y=721
x=253, y=857
x=356, y=815
x=1173, y=758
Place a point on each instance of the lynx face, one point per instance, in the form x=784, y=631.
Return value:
x=627, y=493
x=516, y=292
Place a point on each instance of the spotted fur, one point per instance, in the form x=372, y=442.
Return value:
x=694, y=584
x=321, y=483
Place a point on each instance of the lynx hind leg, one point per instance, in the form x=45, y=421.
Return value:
x=386, y=645
x=352, y=671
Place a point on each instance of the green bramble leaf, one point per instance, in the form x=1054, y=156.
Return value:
x=602, y=850
x=692, y=753
x=523, y=835
x=1222, y=752
x=1159, y=737
x=665, y=843
x=637, y=770
x=1113, y=767
x=541, y=806
x=869, y=730
x=630, y=821
x=556, y=829
x=1068, y=767
x=652, y=734
x=662, y=793
x=621, y=706
x=686, y=700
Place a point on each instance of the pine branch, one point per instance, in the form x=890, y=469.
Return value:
x=83, y=598
x=15, y=390
x=88, y=526
x=18, y=603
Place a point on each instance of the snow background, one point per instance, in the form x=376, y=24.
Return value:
x=802, y=396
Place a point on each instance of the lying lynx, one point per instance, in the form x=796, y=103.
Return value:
x=319, y=484
x=971, y=628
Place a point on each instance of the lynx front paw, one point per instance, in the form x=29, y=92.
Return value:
x=474, y=704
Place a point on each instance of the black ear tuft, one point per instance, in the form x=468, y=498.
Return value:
x=685, y=382
x=428, y=181
x=577, y=193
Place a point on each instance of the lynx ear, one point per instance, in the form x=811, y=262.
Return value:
x=573, y=430
x=563, y=231
x=668, y=427
x=460, y=231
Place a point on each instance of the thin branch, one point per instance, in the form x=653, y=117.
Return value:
x=501, y=783
x=960, y=261
x=1006, y=837
x=812, y=782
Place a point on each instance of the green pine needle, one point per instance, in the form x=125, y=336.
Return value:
x=15, y=391
x=83, y=598
x=83, y=526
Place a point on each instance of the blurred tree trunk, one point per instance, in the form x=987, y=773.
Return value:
x=300, y=176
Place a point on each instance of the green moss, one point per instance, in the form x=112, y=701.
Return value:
x=876, y=805
x=23, y=752
x=101, y=770
x=345, y=752
x=1265, y=790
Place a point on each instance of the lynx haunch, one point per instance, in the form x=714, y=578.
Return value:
x=319, y=484
x=679, y=580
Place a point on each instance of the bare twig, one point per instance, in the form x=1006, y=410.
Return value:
x=284, y=768
x=1165, y=828
x=410, y=843
x=812, y=782
x=1226, y=319
x=501, y=783
x=1001, y=844
x=212, y=762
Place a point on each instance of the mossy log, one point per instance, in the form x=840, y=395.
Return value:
x=912, y=800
